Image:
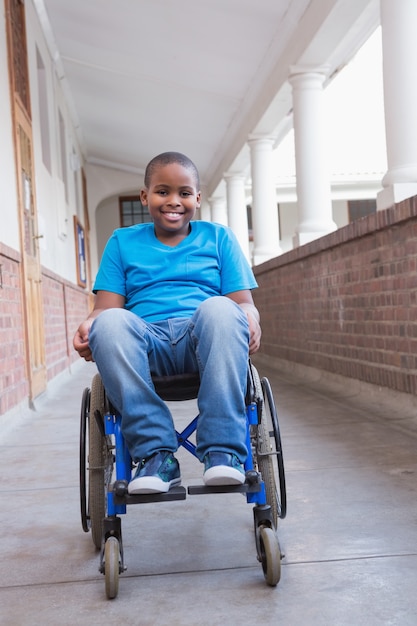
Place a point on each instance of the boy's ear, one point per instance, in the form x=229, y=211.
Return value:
x=144, y=196
x=198, y=199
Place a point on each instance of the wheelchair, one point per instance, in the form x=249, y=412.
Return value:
x=106, y=466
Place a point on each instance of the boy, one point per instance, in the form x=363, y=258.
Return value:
x=172, y=297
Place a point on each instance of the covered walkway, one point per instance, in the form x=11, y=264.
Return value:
x=350, y=536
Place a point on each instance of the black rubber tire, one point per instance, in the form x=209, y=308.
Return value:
x=112, y=567
x=100, y=463
x=272, y=419
x=85, y=409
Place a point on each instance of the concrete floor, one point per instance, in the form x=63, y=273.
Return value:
x=350, y=536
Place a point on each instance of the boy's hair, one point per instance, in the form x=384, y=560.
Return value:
x=166, y=158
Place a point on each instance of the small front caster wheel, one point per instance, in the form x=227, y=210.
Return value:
x=270, y=555
x=112, y=567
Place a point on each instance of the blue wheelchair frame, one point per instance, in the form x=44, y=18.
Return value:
x=106, y=426
x=255, y=490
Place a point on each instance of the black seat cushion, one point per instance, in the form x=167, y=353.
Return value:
x=178, y=387
x=186, y=386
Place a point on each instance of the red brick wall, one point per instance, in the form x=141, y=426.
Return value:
x=13, y=381
x=347, y=302
x=65, y=306
x=78, y=306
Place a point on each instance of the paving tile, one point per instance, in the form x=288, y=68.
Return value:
x=349, y=538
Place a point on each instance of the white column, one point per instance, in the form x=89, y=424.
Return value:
x=264, y=201
x=205, y=211
x=399, y=53
x=312, y=176
x=236, y=209
x=218, y=210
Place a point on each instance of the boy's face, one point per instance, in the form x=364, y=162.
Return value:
x=172, y=199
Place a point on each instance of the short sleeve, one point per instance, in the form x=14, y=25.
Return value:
x=236, y=273
x=111, y=274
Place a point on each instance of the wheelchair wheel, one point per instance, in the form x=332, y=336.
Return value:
x=262, y=450
x=277, y=458
x=112, y=567
x=100, y=461
x=85, y=409
x=270, y=555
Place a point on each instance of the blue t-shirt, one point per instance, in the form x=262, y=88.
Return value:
x=161, y=282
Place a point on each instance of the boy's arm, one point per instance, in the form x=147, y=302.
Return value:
x=244, y=299
x=103, y=300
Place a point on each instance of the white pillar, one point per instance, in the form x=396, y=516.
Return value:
x=399, y=53
x=264, y=201
x=312, y=176
x=236, y=209
x=205, y=211
x=218, y=210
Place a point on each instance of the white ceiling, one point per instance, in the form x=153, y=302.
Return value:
x=197, y=76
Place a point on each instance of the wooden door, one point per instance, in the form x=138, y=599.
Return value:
x=32, y=278
x=31, y=268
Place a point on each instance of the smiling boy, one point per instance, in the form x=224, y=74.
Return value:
x=172, y=297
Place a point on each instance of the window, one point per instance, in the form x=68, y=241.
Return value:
x=63, y=153
x=43, y=112
x=360, y=208
x=15, y=21
x=75, y=167
x=132, y=211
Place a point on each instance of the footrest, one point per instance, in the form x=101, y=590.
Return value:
x=194, y=490
x=175, y=493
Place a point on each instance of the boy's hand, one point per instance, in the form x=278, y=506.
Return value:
x=245, y=301
x=103, y=300
x=254, y=333
x=80, y=341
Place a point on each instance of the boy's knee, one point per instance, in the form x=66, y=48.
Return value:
x=113, y=324
x=108, y=319
x=221, y=310
x=217, y=304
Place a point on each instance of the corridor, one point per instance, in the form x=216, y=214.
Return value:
x=349, y=538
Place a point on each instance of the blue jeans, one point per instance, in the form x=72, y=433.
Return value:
x=213, y=342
